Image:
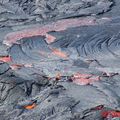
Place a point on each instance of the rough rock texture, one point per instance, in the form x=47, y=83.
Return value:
x=59, y=60
x=17, y=12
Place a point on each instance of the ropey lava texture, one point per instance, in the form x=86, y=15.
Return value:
x=71, y=49
x=65, y=67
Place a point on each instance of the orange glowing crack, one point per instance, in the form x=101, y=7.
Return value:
x=29, y=107
x=59, y=53
x=43, y=30
x=5, y=59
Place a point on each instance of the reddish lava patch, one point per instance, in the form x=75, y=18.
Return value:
x=99, y=107
x=43, y=30
x=59, y=53
x=110, y=113
x=84, y=79
x=18, y=66
x=5, y=59
x=50, y=38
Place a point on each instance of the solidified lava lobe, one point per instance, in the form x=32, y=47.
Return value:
x=43, y=30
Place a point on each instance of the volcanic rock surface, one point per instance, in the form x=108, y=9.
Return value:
x=59, y=59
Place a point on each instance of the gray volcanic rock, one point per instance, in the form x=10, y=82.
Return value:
x=18, y=12
x=69, y=8
x=59, y=59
